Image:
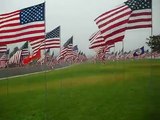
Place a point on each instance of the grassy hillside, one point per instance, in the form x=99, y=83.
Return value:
x=127, y=90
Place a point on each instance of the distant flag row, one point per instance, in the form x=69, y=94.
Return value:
x=132, y=14
x=27, y=25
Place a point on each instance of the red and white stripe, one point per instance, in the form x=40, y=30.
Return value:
x=3, y=49
x=112, y=24
x=96, y=40
x=51, y=43
x=11, y=31
x=3, y=61
x=15, y=59
x=25, y=52
x=36, y=45
x=140, y=19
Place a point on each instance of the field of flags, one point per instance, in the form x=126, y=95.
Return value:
x=109, y=85
x=28, y=26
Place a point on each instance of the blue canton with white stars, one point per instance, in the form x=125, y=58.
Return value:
x=32, y=14
x=139, y=4
x=54, y=33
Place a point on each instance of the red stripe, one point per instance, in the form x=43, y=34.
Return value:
x=114, y=19
x=108, y=12
x=118, y=39
x=115, y=14
x=140, y=20
x=115, y=25
x=10, y=25
x=21, y=34
x=140, y=26
x=23, y=39
x=141, y=14
x=2, y=15
x=23, y=28
x=17, y=18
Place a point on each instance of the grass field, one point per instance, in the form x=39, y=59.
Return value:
x=127, y=90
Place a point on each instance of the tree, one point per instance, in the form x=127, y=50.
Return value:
x=154, y=43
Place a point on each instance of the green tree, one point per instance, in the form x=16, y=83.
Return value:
x=154, y=43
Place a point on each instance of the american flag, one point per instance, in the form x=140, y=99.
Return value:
x=24, y=48
x=3, y=61
x=67, y=49
x=130, y=15
x=3, y=49
x=23, y=25
x=52, y=39
x=15, y=59
x=96, y=40
x=36, y=45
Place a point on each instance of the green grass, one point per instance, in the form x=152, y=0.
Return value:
x=127, y=90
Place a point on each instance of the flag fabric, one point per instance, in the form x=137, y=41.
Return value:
x=3, y=61
x=24, y=48
x=52, y=39
x=138, y=51
x=96, y=40
x=23, y=25
x=130, y=15
x=3, y=49
x=15, y=59
x=66, y=49
x=36, y=45
x=30, y=58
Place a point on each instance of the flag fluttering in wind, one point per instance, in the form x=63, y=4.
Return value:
x=24, y=48
x=67, y=49
x=138, y=51
x=15, y=59
x=3, y=49
x=96, y=40
x=52, y=39
x=132, y=14
x=27, y=24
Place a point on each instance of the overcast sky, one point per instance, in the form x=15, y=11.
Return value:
x=76, y=17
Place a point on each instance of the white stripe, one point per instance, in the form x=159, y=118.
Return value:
x=114, y=16
x=140, y=23
x=22, y=31
x=114, y=29
x=113, y=23
x=140, y=17
x=115, y=36
x=108, y=14
x=23, y=25
x=8, y=20
x=22, y=37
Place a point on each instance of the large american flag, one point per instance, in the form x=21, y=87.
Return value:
x=130, y=15
x=3, y=49
x=52, y=39
x=23, y=25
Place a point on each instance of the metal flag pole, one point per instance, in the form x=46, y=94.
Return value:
x=151, y=26
x=45, y=75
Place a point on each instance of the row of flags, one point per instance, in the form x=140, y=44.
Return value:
x=132, y=14
x=28, y=25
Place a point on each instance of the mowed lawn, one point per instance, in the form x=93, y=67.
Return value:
x=126, y=90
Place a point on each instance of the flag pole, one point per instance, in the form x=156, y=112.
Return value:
x=46, y=87
x=152, y=25
x=123, y=49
